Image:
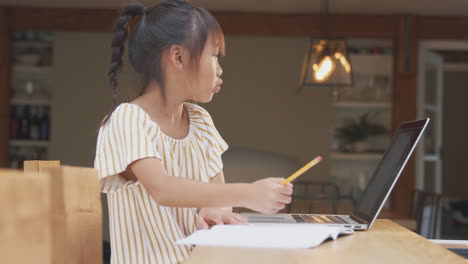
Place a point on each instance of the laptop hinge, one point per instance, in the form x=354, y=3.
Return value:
x=357, y=219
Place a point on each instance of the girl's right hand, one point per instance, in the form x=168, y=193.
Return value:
x=268, y=196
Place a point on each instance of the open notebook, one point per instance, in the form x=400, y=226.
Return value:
x=265, y=235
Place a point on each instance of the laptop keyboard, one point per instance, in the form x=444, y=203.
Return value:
x=460, y=251
x=322, y=219
x=298, y=218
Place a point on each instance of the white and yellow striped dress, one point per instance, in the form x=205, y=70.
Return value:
x=141, y=230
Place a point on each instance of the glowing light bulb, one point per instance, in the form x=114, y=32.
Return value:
x=343, y=61
x=324, y=70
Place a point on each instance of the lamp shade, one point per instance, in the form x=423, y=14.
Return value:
x=326, y=63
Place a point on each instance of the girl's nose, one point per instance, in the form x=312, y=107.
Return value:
x=219, y=71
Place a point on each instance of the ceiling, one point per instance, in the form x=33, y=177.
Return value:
x=422, y=7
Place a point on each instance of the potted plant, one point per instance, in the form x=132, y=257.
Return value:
x=355, y=133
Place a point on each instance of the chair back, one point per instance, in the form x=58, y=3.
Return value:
x=77, y=206
x=29, y=231
x=427, y=207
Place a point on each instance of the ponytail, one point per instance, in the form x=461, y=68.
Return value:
x=118, y=47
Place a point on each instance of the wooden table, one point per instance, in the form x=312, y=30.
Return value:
x=385, y=242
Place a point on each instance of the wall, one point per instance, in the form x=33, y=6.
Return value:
x=455, y=131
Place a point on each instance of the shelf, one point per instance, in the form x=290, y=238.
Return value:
x=21, y=101
x=362, y=104
x=29, y=143
x=431, y=157
x=32, y=69
x=32, y=44
x=386, y=57
x=355, y=156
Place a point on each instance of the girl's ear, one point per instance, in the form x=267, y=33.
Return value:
x=176, y=56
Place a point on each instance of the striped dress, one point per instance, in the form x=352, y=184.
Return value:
x=142, y=231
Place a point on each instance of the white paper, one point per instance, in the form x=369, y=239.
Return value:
x=265, y=236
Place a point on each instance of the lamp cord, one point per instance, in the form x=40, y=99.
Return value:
x=324, y=15
x=324, y=7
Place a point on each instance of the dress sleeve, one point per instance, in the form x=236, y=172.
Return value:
x=126, y=138
x=216, y=144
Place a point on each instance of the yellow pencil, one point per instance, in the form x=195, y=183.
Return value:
x=302, y=170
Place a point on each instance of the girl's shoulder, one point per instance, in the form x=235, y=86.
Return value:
x=124, y=116
x=201, y=119
x=128, y=111
x=198, y=112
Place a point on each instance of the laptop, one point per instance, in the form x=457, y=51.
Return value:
x=374, y=195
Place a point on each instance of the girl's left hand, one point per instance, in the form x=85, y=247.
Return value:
x=218, y=216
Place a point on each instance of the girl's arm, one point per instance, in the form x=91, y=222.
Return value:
x=182, y=192
x=219, y=178
x=266, y=196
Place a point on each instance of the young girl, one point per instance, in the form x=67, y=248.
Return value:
x=159, y=157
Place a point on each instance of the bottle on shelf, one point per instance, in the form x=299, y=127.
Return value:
x=30, y=122
x=34, y=125
x=24, y=121
x=44, y=123
x=14, y=123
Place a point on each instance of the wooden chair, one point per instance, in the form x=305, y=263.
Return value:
x=29, y=232
x=76, y=206
x=427, y=210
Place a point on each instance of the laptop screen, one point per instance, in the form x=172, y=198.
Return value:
x=388, y=170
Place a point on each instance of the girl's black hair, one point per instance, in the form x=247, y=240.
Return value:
x=171, y=22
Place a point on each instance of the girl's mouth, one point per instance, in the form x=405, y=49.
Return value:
x=218, y=86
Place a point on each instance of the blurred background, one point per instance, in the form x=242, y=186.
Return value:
x=301, y=78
